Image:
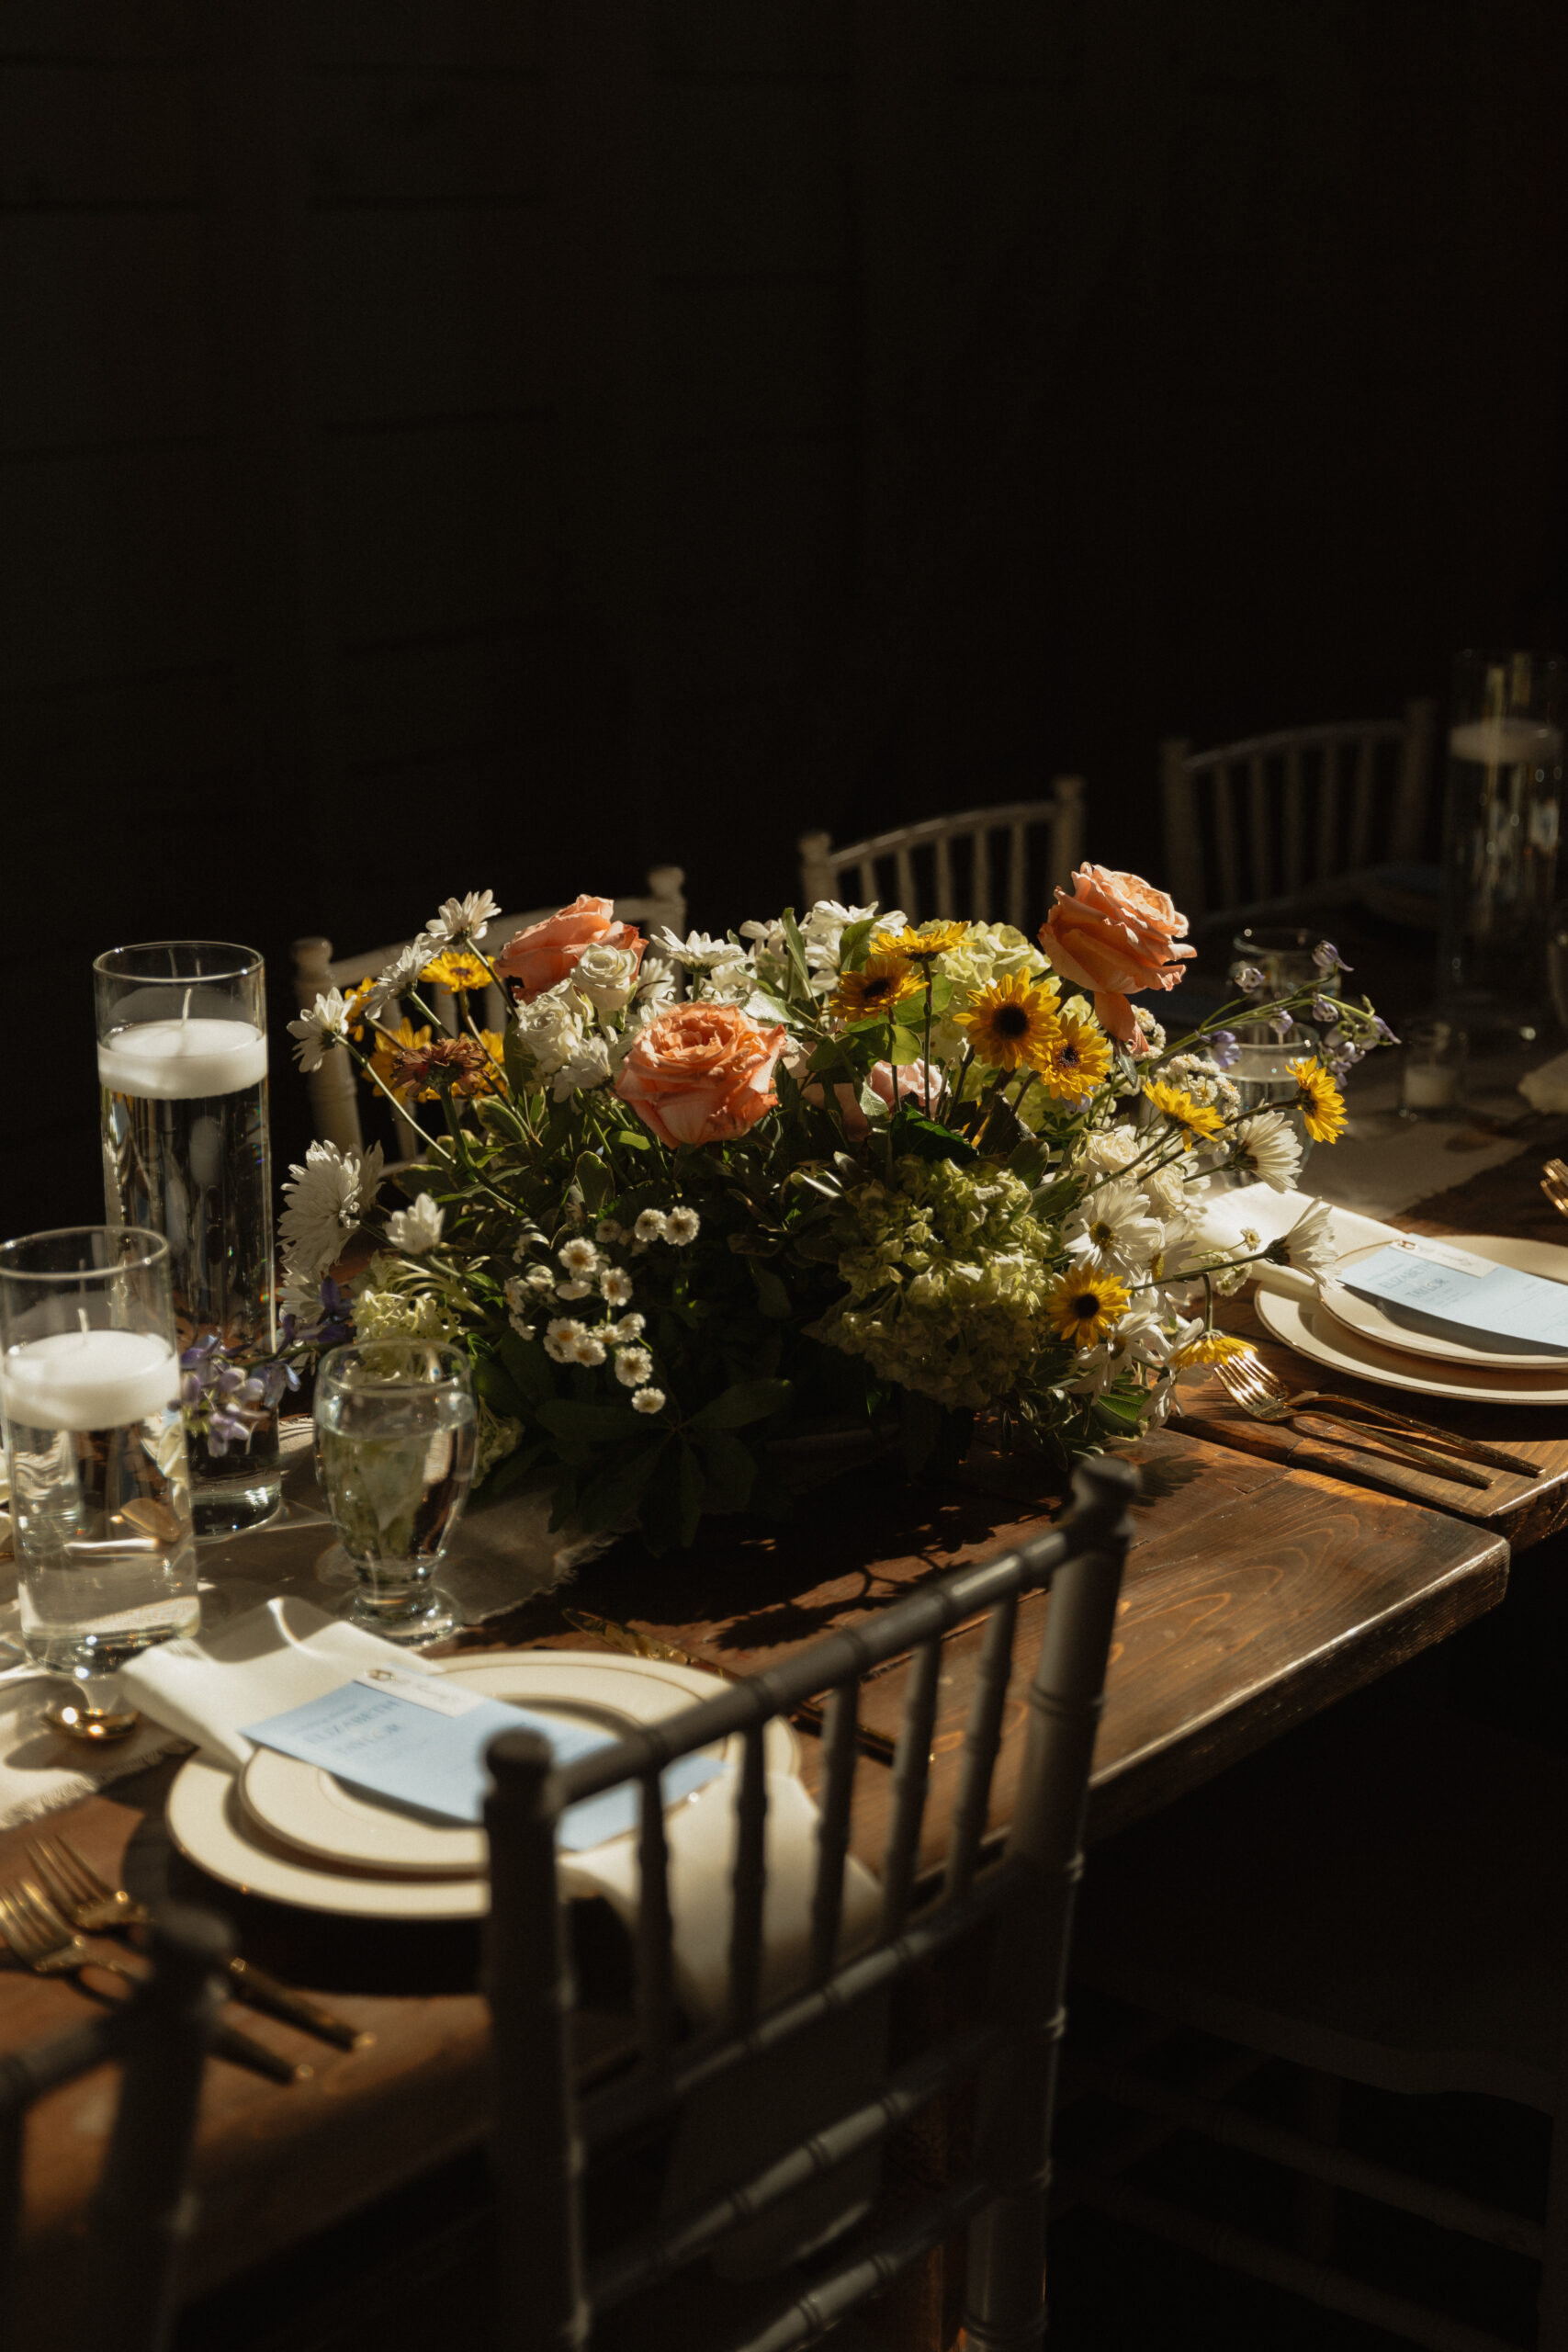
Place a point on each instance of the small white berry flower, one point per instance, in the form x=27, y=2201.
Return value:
x=517, y=1294
x=579, y=1256
x=650, y=1226
x=648, y=1401
x=608, y=1230
x=539, y=1278
x=615, y=1286
x=633, y=1367
x=561, y=1337
x=521, y=1325
x=577, y=1289
x=589, y=1348
x=683, y=1227
x=628, y=1329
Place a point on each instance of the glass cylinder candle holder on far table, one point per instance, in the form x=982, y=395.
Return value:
x=1432, y=1081
x=95, y=1454
x=181, y=1072
x=1500, y=835
x=395, y=1427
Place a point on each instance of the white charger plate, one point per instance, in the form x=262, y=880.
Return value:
x=210, y=1823
x=1307, y=1326
x=1373, y=1322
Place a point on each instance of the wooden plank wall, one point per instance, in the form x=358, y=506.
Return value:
x=450, y=441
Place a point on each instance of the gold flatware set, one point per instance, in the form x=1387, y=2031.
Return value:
x=1263, y=1396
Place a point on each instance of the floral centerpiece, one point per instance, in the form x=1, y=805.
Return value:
x=699, y=1193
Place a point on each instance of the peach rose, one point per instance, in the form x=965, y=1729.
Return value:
x=547, y=951
x=907, y=1084
x=701, y=1073
x=1115, y=935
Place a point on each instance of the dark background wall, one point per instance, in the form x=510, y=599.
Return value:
x=507, y=442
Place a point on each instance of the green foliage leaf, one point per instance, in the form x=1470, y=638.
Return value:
x=499, y=1392
x=693, y=1487
x=796, y=950
x=595, y=1182
x=729, y=1467
x=907, y=1047
x=925, y=1138
x=567, y=1419
x=617, y=1486
x=529, y=1366
x=748, y=1400
x=855, y=945
x=772, y=1298
x=872, y=1104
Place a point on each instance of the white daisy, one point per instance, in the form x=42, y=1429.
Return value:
x=324, y=1025
x=615, y=1286
x=588, y=1349
x=576, y=1288
x=1268, y=1148
x=699, y=950
x=418, y=1228
x=648, y=1401
x=561, y=1336
x=683, y=1226
x=462, y=919
x=327, y=1200
x=634, y=1367
x=579, y=1256
x=651, y=1226
x=1310, y=1245
x=400, y=975
x=1113, y=1222
x=521, y=1325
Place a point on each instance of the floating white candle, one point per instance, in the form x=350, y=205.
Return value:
x=88, y=1379
x=1430, y=1087
x=1503, y=742
x=180, y=1061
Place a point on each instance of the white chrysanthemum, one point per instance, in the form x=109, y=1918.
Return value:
x=1270, y=1148
x=549, y=1030
x=418, y=1228
x=648, y=1401
x=1310, y=1244
x=615, y=1286
x=650, y=1226
x=629, y=1328
x=579, y=1256
x=400, y=975
x=561, y=1336
x=697, y=950
x=463, y=919
x=324, y=1025
x=327, y=1200
x=606, y=977
x=731, y=983
x=589, y=1348
x=634, y=1367
x=683, y=1226
x=589, y=1067
x=1114, y=1223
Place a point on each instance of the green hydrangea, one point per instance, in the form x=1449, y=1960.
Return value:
x=947, y=1271
x=382, y=1314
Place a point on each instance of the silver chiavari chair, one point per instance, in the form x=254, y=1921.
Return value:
x=1011, y=1894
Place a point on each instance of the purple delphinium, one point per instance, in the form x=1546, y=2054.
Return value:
x=1328, y=958
x=1248, y=980
x=1223, y=1048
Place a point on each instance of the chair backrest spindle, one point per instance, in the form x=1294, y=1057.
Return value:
x=911, y=1770
x=839, y=1742
x=982, y=1737
x=749, y=1884
x=1000, y=887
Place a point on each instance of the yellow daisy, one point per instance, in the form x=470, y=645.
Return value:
x=391, y=1046
x=1200, y=1120
x=882, y=983
x=456, y=968
x=921, y=946
x=1320, y=1101
x=355, y=999
x=1079, y=1060
x=1209, y=1347
x=1013, y=1021
x=1085, y=1302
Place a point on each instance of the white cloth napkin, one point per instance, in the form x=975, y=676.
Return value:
x=1546, y=1088
x=280, y=1656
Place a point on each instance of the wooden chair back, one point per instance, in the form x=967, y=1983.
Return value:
x=120, y=2290
x=996, y=865
x=335, y=1085
x=1004, y=2045
x=1252, y=826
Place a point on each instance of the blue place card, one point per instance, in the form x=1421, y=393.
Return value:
x=1429, y=1285
x=418, y=1741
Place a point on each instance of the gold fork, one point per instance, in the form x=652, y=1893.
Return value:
x=40, y=1939
x=1554, y=1185
x=1264, y=1399
x=1469, y=1449
x=89, y=1901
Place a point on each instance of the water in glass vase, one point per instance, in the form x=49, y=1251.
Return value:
x=396, y=1463
x=105, y=1565
x=186, y=1153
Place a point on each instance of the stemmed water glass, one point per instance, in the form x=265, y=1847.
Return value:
x=395, y=1427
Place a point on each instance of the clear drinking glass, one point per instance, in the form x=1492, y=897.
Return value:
x=1432, y=1084
x=395, y=1449
x=182, y=1069
x=1284, y=957
x=96, y=1447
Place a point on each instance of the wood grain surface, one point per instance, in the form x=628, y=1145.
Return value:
x=1256, y=1595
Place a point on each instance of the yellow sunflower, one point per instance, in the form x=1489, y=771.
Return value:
x=1085, y=1303
x=1078, y=1061
x=391, y=1046
x=1013, y=1021
x=1320, y=1101
x=882, y=982
x=455, y=969
x=1200, y=1120
x=1209, y=1347
x=920, y=947
x=352, y=1003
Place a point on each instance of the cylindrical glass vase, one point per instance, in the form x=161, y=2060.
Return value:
x=1500, y=837
x=181, y=1072
x=96, y=1447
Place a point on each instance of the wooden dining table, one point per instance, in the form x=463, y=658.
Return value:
x=1271, y=1575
